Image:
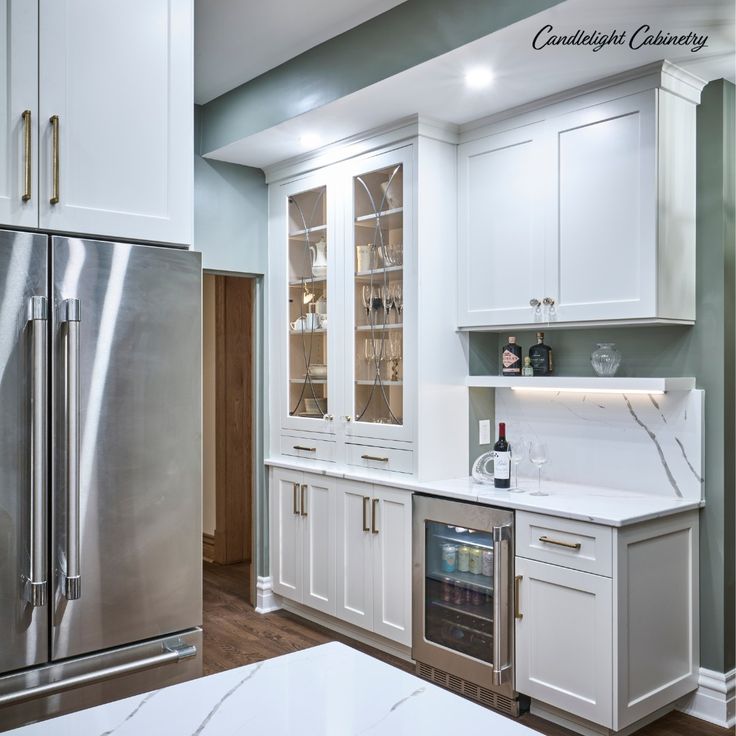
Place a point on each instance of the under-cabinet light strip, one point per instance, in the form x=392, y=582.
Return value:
x=555, y=389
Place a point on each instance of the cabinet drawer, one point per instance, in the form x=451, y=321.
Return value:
x=574, y=544
x=380, y=458
x=308, y=448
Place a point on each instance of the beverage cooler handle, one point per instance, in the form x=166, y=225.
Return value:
x=501, y=590
x=71, y=317
x=35, y=585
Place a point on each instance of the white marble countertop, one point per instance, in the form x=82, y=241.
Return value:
x=599, y=505
x=330, y=690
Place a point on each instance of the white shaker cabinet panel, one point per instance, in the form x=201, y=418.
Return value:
x=354, y=554
x=564, y=639
x=501, y=238
x=118, y=80
x=391, y=528
x=317, y=509
x=19, y=116
x=602, y=262
x=286, y=549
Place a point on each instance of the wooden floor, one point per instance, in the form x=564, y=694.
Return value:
x=234, y=635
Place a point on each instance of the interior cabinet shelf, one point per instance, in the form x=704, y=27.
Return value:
x=377, y=273
x=590, y=384
x=371, y=381
x=386, y=216
x=319, y=331
x=307, y=231
x=368, y=328
x=306, y=280
x=315, y=381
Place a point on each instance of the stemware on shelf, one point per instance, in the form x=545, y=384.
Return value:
x=538, y=456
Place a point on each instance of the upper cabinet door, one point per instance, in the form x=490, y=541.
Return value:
x=602, y=258
x=19, y=116
x=116, y=121
x=500, y=216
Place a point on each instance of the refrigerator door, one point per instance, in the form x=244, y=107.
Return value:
x=23, y=410
x=126, y=544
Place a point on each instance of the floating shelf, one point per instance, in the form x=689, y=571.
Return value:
x=584, y=384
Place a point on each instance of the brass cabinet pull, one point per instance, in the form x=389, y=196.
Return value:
x=294, y=492
x=560, y=543
x=54, y=120
x=305, y=449
x=374, y=457
x=366, y=502
x=26, y=155
x=303, y=500
x=374, y=506
x=517, y=597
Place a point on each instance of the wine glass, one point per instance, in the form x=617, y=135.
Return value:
x=518, y=455
x=387, y=295
x=394, y=354
x=538, y=455
x=367, y=299
x=398, y=300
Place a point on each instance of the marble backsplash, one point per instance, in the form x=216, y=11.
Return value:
x=650, y=444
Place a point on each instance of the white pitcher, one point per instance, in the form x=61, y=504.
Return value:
x=319, y=259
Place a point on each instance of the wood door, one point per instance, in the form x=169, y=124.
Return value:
x=119, y=77
x=19, y=119
x=501, y=227
x=317, y=509
x=391, y=531
x=354, y=554
x=285, y=532
x=564, y=640
x=602, y=250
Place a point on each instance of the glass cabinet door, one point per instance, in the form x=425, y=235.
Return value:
x=307, y=358
x=458, y=589
x=378, y=299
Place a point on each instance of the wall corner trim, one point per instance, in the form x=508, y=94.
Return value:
x=266, y=600
x=715, y=698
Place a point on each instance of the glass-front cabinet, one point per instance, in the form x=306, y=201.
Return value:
x=380, y=298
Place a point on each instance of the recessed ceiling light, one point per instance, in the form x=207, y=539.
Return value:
x=478, y=77
x=310, y=140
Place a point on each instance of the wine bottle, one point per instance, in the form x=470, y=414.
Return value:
x=540, y=356
x=511, y=358
x=501, y=459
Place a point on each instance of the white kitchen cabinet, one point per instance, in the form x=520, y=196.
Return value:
x=564, y=647
x=303, y=538
x=606, y=618
x=582, y=210
x=118, y=78
x=369, y=368
x=19, y=120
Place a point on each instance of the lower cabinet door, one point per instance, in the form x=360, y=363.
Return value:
x=564, y=640
x=354, y=554
x=286, y=527
x=317, y=511
x=391, y=532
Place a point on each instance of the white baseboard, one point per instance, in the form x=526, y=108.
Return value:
x=266, y=599
x=715, y=698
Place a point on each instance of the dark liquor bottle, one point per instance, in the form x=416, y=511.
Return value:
x=540, y=356
x=501, y=459
x=511, y=359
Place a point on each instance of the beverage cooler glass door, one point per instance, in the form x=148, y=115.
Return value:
x=462, y=577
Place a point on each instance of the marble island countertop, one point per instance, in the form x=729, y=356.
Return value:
x=330, y=690
x=583, y=502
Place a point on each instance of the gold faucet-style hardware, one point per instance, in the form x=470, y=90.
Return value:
x=54, y=120
x=560, y=543
x=305, y=449
x=366, y=502
x=375, y=458
x=26, y=155
x=295, y=491
x=303, y=500
x=374, y=506
x=517, y=597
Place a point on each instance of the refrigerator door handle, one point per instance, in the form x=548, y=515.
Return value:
x=34, y=588
x=501, y=622
x=71, y=315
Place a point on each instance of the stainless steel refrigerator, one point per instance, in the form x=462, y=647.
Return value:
x=100, y=472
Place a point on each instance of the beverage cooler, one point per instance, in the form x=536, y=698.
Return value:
x=462, y=632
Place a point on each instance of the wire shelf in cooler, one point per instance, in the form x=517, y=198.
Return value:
x=465, y=579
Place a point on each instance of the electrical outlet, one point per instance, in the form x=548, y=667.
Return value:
x=484, y=432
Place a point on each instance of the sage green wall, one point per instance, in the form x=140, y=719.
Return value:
x=707, y=351
x=230, y=213
x=406, y=35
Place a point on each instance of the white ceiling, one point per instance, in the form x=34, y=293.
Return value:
x=435, y=89
x=236, y=40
